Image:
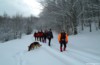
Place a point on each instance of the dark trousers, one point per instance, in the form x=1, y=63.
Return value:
x=44, y=40
x=49, y=41
x=63, y=43
x=41, y=38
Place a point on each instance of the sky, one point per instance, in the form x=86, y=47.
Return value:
x=24, y=7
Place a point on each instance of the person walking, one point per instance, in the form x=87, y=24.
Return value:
x=44, y=36
x=63, y=40
x=49, y=36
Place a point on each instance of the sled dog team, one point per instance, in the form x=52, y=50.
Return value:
x=42, y=36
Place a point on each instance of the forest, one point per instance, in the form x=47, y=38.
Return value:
x=68, y=15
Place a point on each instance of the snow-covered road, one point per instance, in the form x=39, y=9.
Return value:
x=82, y=49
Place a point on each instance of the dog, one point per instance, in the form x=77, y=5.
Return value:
x=33, y=45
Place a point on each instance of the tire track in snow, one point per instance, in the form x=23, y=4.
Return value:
x=68, y=54
x=63, y=58
x=79, y=55
x=85, y=55
x=18, y=57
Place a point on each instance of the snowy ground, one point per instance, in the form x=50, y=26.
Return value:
x=82, y=49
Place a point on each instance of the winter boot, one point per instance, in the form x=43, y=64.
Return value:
x=61, y=49
x=64, y=49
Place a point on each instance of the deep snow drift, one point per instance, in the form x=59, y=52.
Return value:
x=82, y=49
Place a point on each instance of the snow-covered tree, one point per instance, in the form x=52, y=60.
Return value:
x=67, y=14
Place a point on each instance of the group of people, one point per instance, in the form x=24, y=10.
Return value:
x=62, y=38
x=42, y=36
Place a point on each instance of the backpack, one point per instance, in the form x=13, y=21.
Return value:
x=63, y=37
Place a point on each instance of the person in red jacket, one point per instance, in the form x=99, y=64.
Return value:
x=40, y=35
x=63, y=40
x=37, y=36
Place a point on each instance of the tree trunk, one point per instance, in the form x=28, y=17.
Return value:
x=99, y=25
x=82, y=24
x=90, y=27
x=75, y=30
